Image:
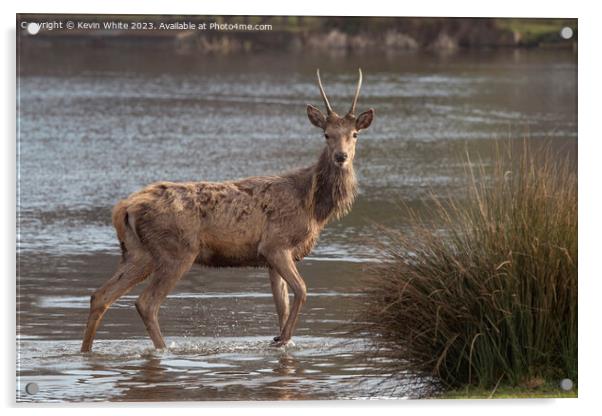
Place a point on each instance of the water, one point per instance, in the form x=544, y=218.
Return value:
x=98, y=123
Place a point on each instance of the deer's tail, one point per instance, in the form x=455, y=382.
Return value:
x=124, y=224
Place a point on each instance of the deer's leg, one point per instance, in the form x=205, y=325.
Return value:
x=129, y=273
x=282, y=262
x=163, y=281
x=280, y=292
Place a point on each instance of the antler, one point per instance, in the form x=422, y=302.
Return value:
x=328, y=107
x=357, y=93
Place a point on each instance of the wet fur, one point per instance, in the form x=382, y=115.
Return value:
x=227, y=223
x=268, y=221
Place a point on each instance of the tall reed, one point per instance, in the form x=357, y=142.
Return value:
x=487, y=291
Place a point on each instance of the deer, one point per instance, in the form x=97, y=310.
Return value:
x=261, y=221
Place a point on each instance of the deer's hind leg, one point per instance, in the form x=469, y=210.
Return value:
x=163, y=281
x=131, y=271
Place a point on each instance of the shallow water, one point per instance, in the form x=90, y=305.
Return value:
x=95, y=124
x=218, y=325
x=231, y=368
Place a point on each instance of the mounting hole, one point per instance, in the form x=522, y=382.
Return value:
x=33, y=28
x=32, y=388
x=566, y=32
x=566, y=384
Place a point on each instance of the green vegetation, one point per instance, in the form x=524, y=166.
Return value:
x=537, y=31
x=546, y=391
x=485, y=295
x=352, y=32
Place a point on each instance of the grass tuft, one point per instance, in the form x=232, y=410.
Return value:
x=486, y=294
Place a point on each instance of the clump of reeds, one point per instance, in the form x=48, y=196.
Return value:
x=487, y=291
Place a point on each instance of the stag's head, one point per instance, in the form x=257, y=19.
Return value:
x=340, y=132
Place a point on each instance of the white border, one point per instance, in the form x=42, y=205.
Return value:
x=589, y=200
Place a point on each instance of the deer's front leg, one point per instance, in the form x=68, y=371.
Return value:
x=283, y=264
x=280, y=292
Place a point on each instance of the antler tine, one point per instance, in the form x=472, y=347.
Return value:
x=328, y=107
x=357, y=93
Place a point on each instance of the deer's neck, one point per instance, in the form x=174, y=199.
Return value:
x=333, y=189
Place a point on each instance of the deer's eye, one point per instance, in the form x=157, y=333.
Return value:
x=326, y=136
x=355, y=135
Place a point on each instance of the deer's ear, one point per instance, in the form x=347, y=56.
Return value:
x=364, y=120
x=316, y=117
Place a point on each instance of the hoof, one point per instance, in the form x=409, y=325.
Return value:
x=278, y=343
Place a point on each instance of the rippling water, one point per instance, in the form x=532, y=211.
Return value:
x=230, y=368
x=96, y=124
x=218, y=324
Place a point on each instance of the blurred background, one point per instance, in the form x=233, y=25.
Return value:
x=103, y=112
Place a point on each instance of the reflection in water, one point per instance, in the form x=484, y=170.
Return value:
x=149, y=382
x=287, y=367
x=203, y=369
x=95, y=124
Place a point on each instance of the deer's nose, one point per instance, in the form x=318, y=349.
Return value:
x=340, y=157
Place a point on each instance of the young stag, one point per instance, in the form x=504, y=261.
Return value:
x=262, y=221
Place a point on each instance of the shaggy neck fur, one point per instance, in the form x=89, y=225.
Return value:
x=333, y=189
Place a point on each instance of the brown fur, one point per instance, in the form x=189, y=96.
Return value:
x=262, y=221
x=224, y=224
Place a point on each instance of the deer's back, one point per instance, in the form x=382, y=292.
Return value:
x=223, y=223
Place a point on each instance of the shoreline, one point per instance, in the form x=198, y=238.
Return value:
x=302, y=34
